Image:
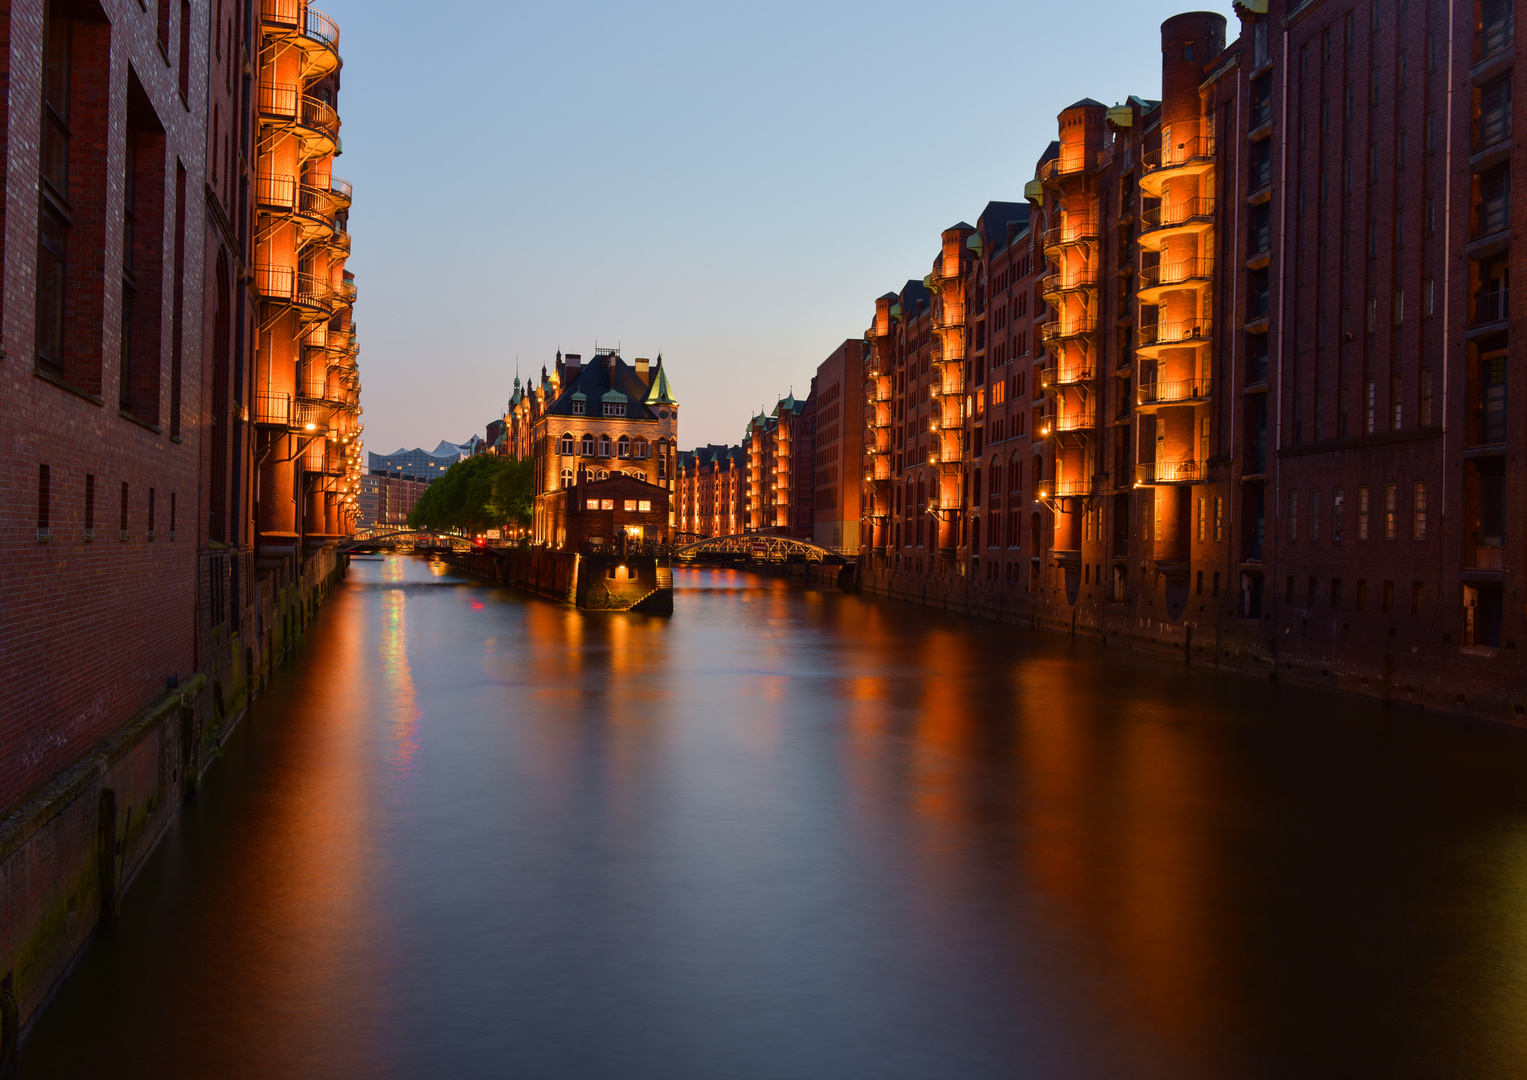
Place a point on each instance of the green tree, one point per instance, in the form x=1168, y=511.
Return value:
x=461, y=499
x=513, y=495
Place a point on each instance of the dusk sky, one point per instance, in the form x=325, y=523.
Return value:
x=730, y=186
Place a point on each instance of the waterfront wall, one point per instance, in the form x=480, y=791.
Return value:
x=70, y=849
x=1294, y=647
x=593, y=582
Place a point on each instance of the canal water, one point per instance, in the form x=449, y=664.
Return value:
x=786, y=833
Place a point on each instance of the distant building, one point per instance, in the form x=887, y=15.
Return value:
x=711, y=492
x=838, y=438
x=608, y=418
x=388, y=500
x=423, y=464
x=779, y=451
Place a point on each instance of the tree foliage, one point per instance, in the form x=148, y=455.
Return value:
x=481, y=492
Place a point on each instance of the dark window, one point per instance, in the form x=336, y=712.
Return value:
x=1261, y=100
x=185, y=50
x=1257, y=293
x=1261, y=165
x=1260, y=238
x=1494, y=291
x=1492, y=409
x=1494, y=200
x=44, y=499
x=89, y=506
x=1494, y=123
x=1496, y=23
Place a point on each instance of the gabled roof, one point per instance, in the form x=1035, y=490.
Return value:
x=598, y=382
x=1085, y=103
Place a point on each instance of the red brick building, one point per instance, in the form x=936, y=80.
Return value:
x=1266, y=417
x=173, y=272
x=711, y=492
x=779, y=450
x=617, y=513
x=838, y=447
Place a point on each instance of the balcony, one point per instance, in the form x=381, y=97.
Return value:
x=1177, y=157
x=1047, y=490
x=1065, y=329
x=1054, y=285
x=339, y=244
x=1067, y=423
x=1170, y=472
x=1163, y=278
x=1064, y=375
x=314, y=122
x=306, y=27
x=1076, y=229
x=1173, y=392
x=1188, y=332
x=272, y=410
x=341, y=190
x=1173, y=219
x=345, y=293
x=286, y=286
x=1057, y=167
x=949, y=316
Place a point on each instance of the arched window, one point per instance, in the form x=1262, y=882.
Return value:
x=567, y=477
x=604, y=446
x=994, y=484
x=1015, y=474
x=975, y=485
x=975, y=534
x=602, y=474
x=641, y=449
x=636, y=475
x=588, y=446
x=565, y=443
x=625, y=446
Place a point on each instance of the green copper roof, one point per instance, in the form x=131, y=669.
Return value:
x=661, y=393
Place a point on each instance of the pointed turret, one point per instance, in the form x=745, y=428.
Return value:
x=660, y=393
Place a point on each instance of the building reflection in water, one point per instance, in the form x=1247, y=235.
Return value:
x=789, y=833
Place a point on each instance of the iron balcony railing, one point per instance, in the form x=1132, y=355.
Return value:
x=1188, y=331
x=1170, y=472
x=1180, y=272
x=1064, y=375
x=1493, y=305
x=341, y=189
x=1178, y=152
x=1075, y=229
x=293, y=286
x=273, y=410
x=1182, y=212
x=297, y=15
x=1064, y=328
x=1059, y=166
x=339, y=243
x=1078, y=420
x=286, y=101
x=1063, y=281
x=1172, y=390
x=1062, y=489
x=316, y=204
x=346, y=292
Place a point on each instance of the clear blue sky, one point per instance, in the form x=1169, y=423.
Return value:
x=731, y=185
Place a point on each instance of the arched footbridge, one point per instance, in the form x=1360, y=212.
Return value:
x=758, y=547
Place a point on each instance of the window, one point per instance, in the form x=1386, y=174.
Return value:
x=1219, y=519
x=1426, y=396
x=623, y=448
x=1417, y=594
x=644, y=505
x=44, y=501
x=1362, y=512
x=122, y=526
x=628, y=505
x=1391, y=510
x=1338, y=510
x=1293, y=516
x=1492, y=412
x=615, y=408
x=567, y=478
x=89, y=507
x=604, y=446
x=1418, y=513
x=185, y=50
x=1336, y=592
x=1203, y=523
x=1388, y=596
x=1368, y=412
x=565, y=443
x=1494, y=211
x=587, y=446
x=1360, y=600
x=577, y=405
x=1315, y=514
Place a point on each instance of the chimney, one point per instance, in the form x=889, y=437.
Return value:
x=642, y=371
x=571, y=362
x=612, y=358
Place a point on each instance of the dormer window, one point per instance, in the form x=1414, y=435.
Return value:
x=614, y=408
x=577, y=407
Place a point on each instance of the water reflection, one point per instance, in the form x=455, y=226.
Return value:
x=792, y=833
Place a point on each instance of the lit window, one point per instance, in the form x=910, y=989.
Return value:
x=567, y=478
x=625, y=446
x=644, y=505
x=565, y=444
x=607, y=504
x=629, y=506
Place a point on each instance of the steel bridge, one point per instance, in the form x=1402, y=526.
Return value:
x=457, y=543
x=759, y=547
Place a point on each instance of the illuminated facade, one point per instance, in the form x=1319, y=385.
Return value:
x=307, y=396
x=779, y=451
x=180, y=416
x=1266, y=416
x=711, y=492
x=606, y=417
